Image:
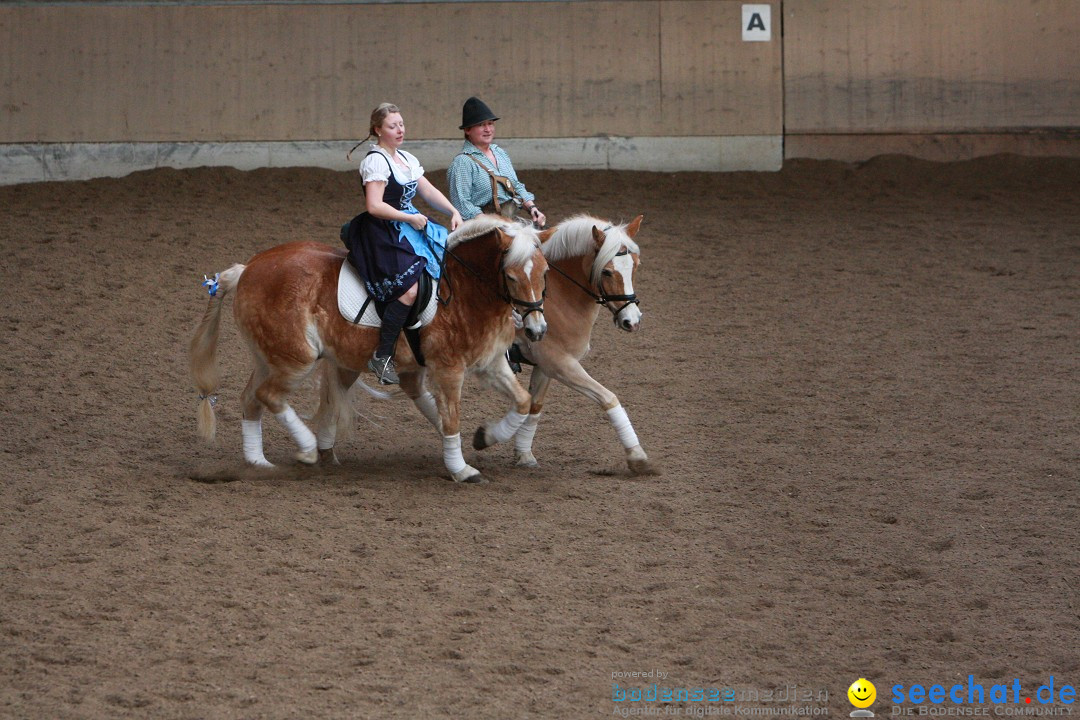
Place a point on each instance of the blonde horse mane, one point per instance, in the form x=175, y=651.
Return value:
x=573, y=238
x=524, y=238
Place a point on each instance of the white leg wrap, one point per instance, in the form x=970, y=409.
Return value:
x=253, y=445
x=621, y=423
x=451, y=453
x=300, y=432
x=427, y=405
x=505, y=428
x=327, y=436
x=523, y=438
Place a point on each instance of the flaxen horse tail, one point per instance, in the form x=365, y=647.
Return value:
x=203, y=352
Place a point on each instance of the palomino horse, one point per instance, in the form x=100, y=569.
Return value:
x=594, y=262
x=286, y=309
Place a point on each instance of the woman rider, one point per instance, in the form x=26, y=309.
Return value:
x=392, y=243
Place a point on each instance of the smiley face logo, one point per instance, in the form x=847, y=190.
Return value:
x=862, y=693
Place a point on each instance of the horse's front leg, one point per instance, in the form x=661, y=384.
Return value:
x=570, y=373
x=523, y=438
x=501, y=377
x=446, y=385
x=412, y=383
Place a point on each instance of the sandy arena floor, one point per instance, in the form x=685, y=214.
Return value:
x=861, y=384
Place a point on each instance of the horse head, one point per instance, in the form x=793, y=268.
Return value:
x=612, y=272
x=524, y=277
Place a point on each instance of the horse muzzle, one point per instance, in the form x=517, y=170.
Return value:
x=536, y=327
x=532, y=321
x=628, y=317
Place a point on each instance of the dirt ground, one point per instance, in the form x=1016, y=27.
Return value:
x=861, y=384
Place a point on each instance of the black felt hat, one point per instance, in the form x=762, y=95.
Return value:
x=475, y=112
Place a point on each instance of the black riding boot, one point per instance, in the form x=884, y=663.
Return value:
x=515, y=357
x=382, y=364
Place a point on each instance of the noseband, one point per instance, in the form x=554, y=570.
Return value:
x=603, y=298
x=536, y=306
x=530, y=306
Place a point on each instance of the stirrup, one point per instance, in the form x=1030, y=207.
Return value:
x=384, y=369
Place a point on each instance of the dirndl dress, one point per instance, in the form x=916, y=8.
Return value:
x=389, y=254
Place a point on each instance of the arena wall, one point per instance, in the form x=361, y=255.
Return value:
x=942, y=80
x=90, y=88
x=667, y=85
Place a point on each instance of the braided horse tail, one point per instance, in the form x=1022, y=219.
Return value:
x=203, y=352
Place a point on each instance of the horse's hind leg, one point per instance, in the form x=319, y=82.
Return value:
x=334, y=408
x=251, y=424
x=272, y=393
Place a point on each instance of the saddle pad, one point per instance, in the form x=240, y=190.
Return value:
x=351, y=296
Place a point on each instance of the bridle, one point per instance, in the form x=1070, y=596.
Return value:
x=602, y=297
x=529, y=306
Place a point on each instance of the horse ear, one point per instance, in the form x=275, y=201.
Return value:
x=598, y=236
x=545, y=235
x=634, y=226
x=504, y=239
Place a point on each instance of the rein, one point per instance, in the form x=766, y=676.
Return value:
x=603, y=298
x=505, y=296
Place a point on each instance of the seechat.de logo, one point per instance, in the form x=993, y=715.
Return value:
x=862, y=694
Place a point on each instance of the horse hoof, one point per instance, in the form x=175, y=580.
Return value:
x=479, y=440
x=642, y=467
x=469, y=475
x=328, y=457
x=308, y=458
x=526, y=459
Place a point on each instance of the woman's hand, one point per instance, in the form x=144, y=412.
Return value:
x=538, y=218
x=418, y=221
x=437, y=200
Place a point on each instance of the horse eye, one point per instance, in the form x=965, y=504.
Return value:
x=607, y=273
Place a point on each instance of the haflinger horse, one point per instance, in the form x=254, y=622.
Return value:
x=286, y=309
x=594, y=262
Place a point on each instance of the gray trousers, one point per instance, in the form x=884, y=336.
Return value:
x=508, y=209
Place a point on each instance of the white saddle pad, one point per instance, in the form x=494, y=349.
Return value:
x=351, y=296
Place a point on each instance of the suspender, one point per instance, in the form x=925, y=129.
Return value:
x=496, y=180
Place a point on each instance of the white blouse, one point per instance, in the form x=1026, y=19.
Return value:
x=377, y=169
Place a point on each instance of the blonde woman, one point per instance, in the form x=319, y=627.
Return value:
x=392, y=243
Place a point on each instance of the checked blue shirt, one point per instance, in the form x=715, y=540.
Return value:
x=470, y=186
